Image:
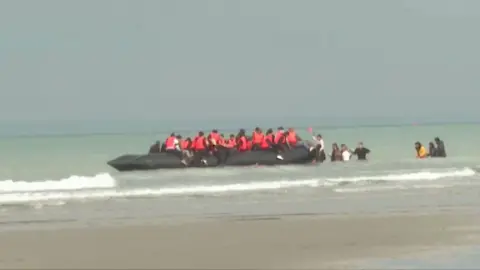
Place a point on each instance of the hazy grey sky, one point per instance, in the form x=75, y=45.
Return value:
x=113, y=60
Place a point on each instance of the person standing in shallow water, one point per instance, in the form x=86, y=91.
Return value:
x=361, y=152
x=441, y=152
x=336, y=153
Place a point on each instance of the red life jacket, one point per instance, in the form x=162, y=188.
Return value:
x=265, y=142
x=242, y=145
x=292, y=138
x=279, y=138
x=199, y=143
x=170, y=143
x=257, y=137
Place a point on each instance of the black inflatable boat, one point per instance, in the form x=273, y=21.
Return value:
x=298, y=155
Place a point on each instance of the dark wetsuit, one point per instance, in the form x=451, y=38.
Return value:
x=361, y=153
x=154, y=149
x=441, y=149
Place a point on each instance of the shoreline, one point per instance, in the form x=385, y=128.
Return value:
x=275, y=242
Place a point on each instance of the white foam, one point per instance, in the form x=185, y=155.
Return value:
x=85, y=188
x=186, y=190
x=74, y=182
x=417, y=176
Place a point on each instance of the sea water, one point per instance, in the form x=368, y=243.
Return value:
x=48, y=179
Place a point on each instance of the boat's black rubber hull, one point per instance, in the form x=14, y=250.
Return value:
x=299, y=155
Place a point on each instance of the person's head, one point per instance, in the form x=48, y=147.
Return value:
x=232, y=136
x=280, y=129
x=319, y=137
x=431, y=145
x=258, y=130
x=418, y=145
x=172, y=134
x=360, y=145
x=291, y=130
x=437, y=139
x=222, y=135
x=179, y=137
x=188, y=139
x=343, y=146
x=335, y=146
x=200, y=133
x=215, y=131
x=157, y=142
x=242, y=131
x=269, y=131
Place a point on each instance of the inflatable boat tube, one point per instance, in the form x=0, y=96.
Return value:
x=297, y=155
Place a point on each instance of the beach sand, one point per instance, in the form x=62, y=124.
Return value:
x=276, y=242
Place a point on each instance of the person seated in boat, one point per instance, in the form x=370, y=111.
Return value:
x=441, y=152
x=213, y=139
x=336, y=154
x=267, y=142
x=280, y=142
x=432, y=150
x=241, y=141
x=172, y=145
x=155, y=148
x=420, y=150
x=292, y=138
x=200, y=148
x=257, y=139
x=231, y=142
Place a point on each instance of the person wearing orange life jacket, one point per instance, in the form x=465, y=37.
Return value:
x=172, y=145
x=241, y=141
x=231, y=142
x=292, y=138
x=279, y=136
x=200, y=148
x=279, y=142
x=213, y=139
x=257, y=139
x=267, y=141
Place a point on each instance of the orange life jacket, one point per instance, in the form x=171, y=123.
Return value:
x=292, y=138
x=184, y=144
x=215, y=137
x=266, y=139
x=242, y=145
x=257, y=137
x=170, y=143
x=279, y=138
x=230, y=143
x=199, y=143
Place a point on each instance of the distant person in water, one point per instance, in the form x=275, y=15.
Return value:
x=346, y=154
x=336, y=154
x=361, y=152
x=420, y=150
x=155, y=148
x=432, y=150
x=441, y=152
x=319, y=146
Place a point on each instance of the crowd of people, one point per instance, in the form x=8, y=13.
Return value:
x=279, y=141
x=436, y=149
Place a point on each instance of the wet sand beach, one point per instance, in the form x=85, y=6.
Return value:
x=273, y=242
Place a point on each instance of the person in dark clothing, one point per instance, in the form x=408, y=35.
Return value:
x=441, y=152
x=155, y=148
x=336, y=153
x=432, y=150
x=361, y=152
